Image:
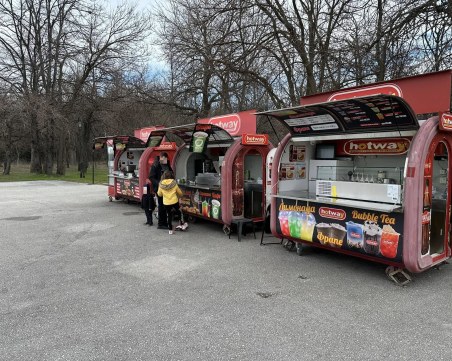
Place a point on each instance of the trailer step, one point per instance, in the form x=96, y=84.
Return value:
x=398, y=275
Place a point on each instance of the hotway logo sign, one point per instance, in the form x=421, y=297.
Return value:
x=388, y=146
x=254, y=139
x=235, y=124
x=230, y=123
x=332, y=213
x=445, y=122
x=167, y=146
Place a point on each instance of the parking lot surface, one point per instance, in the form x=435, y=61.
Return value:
x=82, y=278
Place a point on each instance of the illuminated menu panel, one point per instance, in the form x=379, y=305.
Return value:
x=368, y=114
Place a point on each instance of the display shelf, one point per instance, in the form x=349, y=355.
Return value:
x=388, y=175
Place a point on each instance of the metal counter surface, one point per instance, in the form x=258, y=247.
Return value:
x=311, y=197
x=123, y=177
x=199, y=186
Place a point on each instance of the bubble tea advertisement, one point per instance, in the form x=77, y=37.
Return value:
x=362, y=231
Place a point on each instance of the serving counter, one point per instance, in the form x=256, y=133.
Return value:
x=339, y=202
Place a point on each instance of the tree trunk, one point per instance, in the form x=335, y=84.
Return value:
x=84, y=141
x=61, y=155
x=50, y=148
x=48, y=166
x=36, y=152
x=379, y=48
x=35, y=164
x=7, y=162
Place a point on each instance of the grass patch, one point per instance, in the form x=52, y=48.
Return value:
x=21, y=172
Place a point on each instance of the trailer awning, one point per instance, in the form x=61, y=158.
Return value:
x=371, y=114
x=118, y=141
x=183, y=135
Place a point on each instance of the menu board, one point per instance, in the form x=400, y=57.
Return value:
x=375, y=113
x=128, y=187
x=291, y=171
x=297, y=153
x=361, y=231
x=312, y=119
x=296, y=168
x=287, y=171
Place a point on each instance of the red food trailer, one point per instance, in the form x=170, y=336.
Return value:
x=222, y=178
x=129, y=162
x=365, y=171
x=123, y=154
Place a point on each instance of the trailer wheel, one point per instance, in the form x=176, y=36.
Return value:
x=299, y=247
x=227, y=230
x=290, y=245
x=110, y=198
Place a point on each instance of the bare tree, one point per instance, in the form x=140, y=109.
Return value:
x=56, y=52
x=308, y=27
x=32, y=37
x=108, y=42
x=436, y=38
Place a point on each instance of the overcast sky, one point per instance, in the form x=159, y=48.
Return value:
x=145, y=4
x=156, y=62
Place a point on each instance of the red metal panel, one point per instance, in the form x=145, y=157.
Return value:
x=143, y=133
x=235, y=124
x=426, y=93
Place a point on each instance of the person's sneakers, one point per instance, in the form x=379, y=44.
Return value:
x=171, y=232
x=182, y=227
x=162, y=227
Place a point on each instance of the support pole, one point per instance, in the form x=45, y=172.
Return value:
x=92, y=152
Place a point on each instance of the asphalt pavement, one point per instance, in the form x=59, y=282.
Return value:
x=82, y=278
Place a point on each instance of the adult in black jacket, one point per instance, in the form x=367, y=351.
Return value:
x=161, y=164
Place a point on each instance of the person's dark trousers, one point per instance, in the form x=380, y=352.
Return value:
x=148, y=213
x=169, y=212
x=163, y=222
x=148, y=205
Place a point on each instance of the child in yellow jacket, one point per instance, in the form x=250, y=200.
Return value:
x=170, y=191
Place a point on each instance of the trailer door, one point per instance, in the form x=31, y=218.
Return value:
x=440, y=201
